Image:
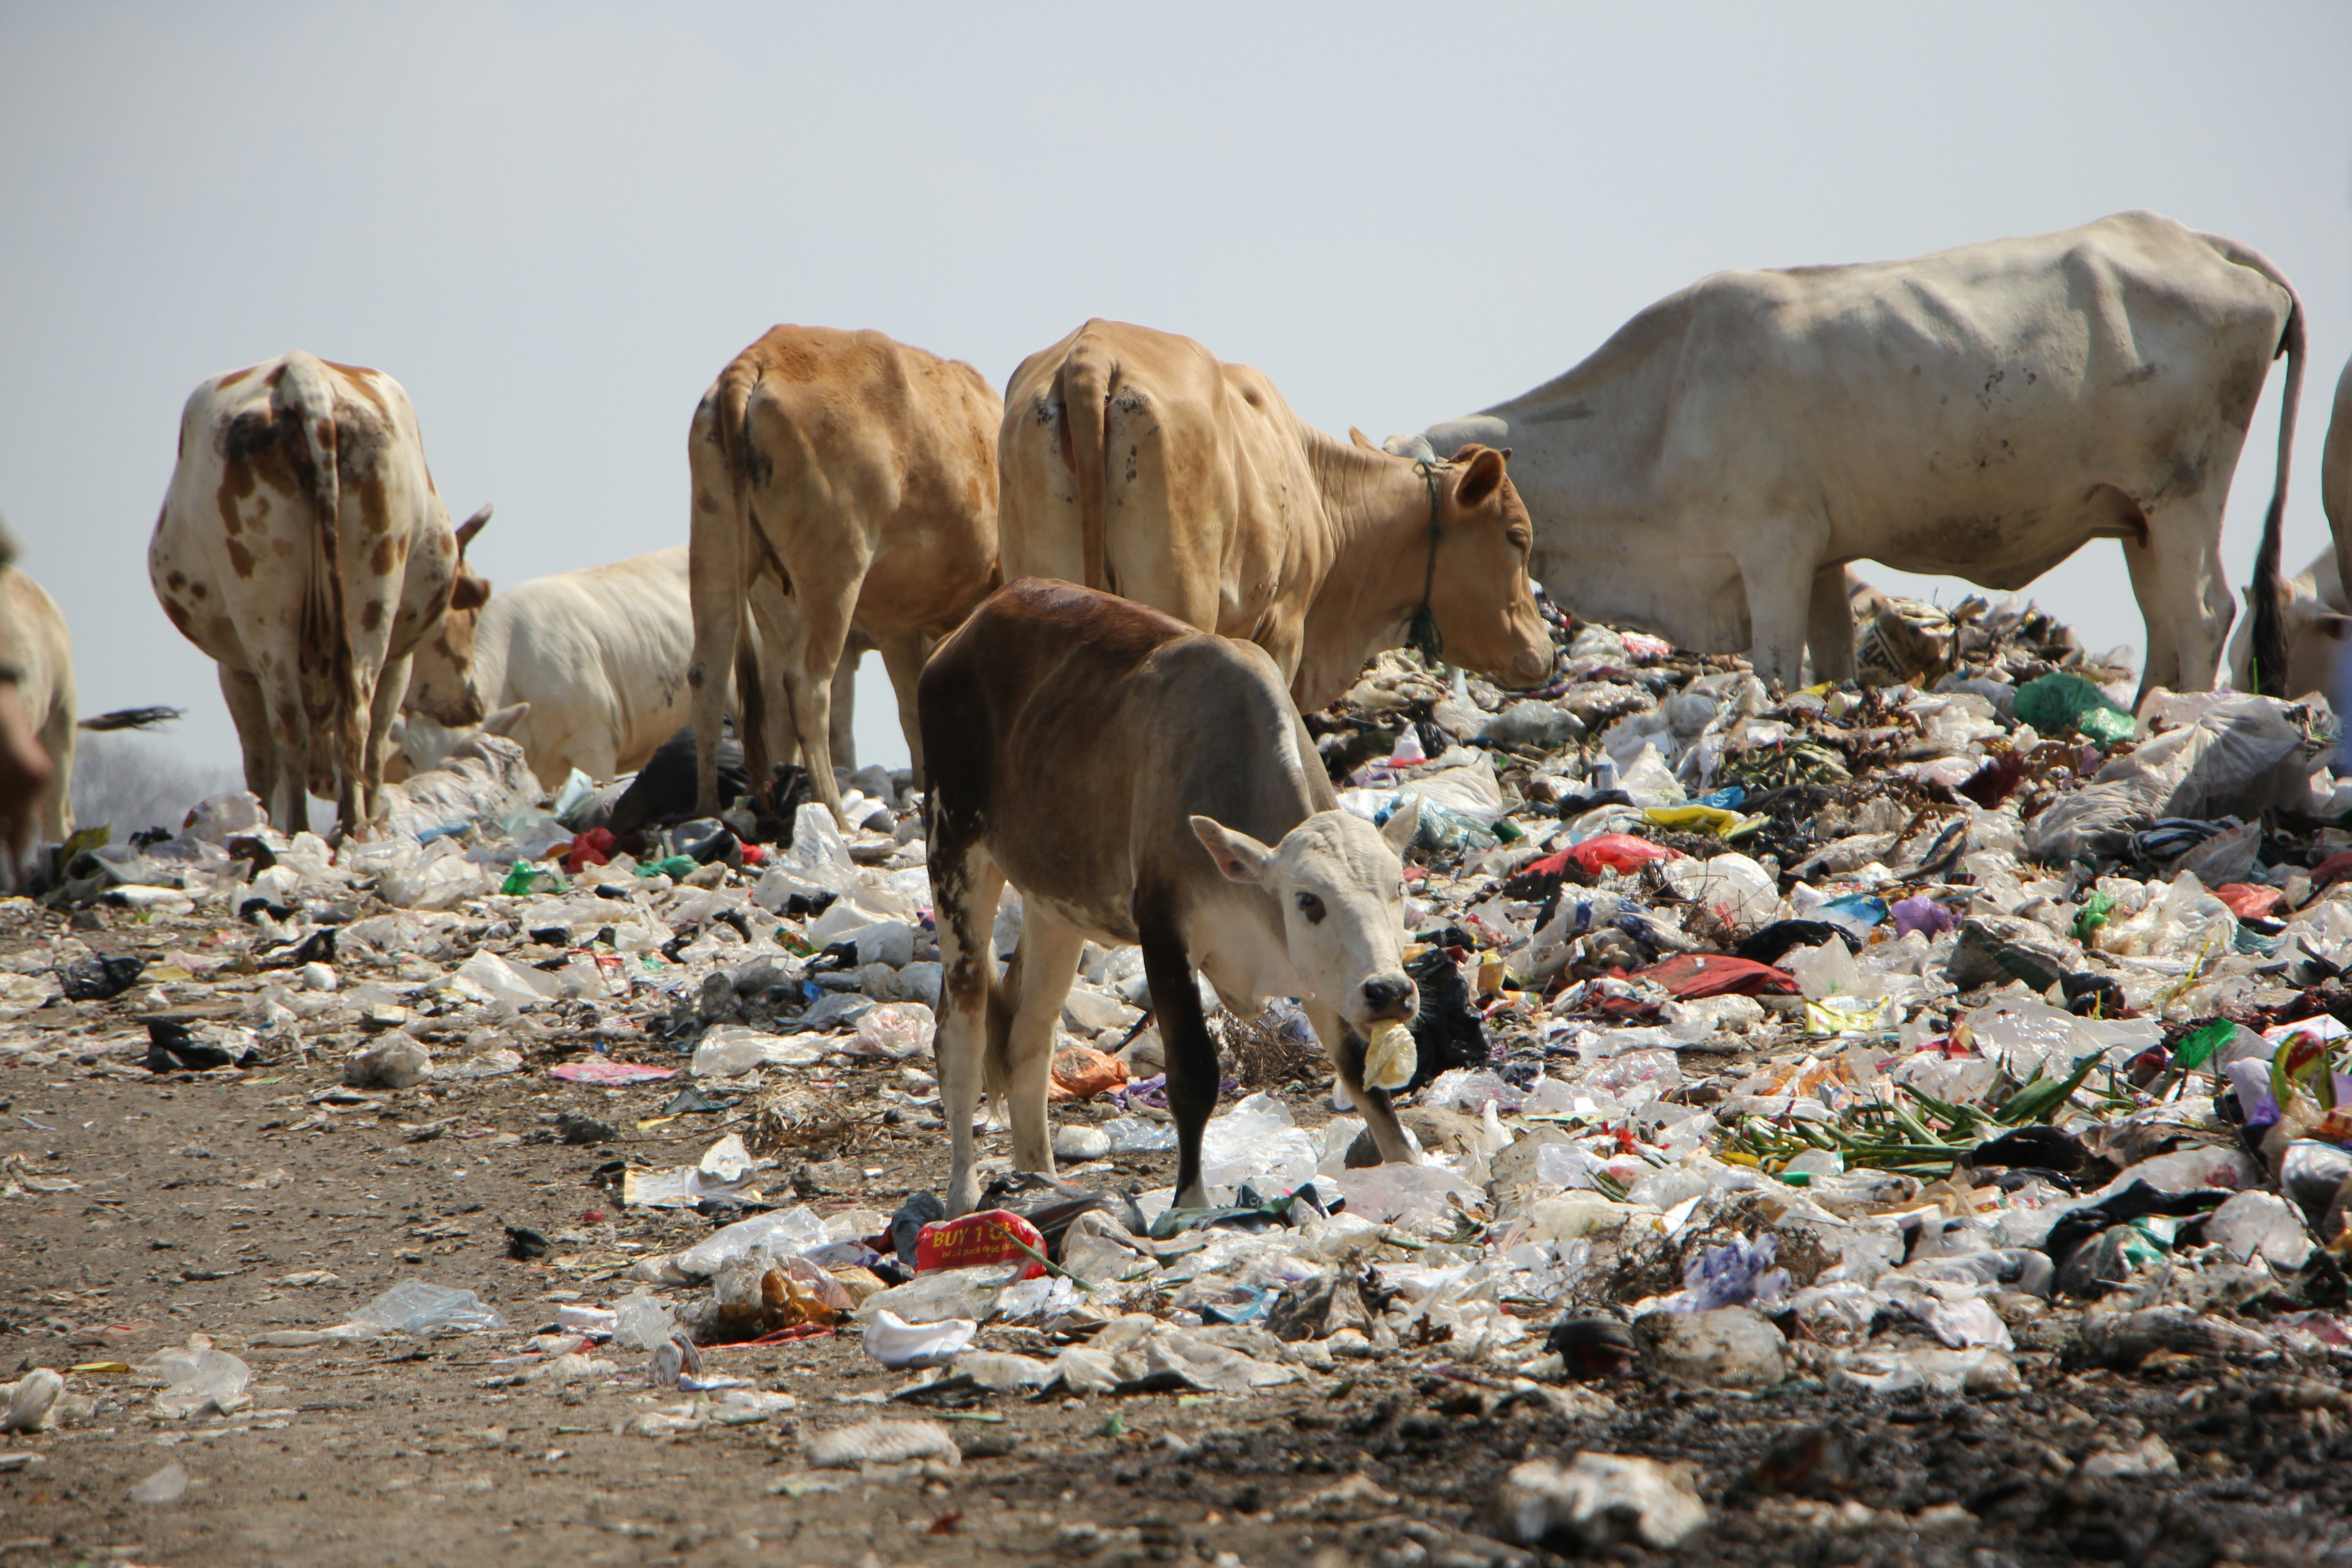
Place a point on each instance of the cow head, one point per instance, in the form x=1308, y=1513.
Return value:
x=1340, y=888
x=1476, y=570
x=421, y=743
x=441, y=676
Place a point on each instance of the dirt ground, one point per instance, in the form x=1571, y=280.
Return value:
x=198, y=1199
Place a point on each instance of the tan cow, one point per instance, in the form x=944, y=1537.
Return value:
x=1141, y=782
x=36, y=648
x=1137, y=462
x=302, y=546
x=843, y=484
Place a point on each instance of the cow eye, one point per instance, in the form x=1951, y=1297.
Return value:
x=1311, y=907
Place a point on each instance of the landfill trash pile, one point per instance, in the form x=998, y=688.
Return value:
x=1940, y=1037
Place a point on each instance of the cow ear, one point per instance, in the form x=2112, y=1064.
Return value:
x=503, y=721
x=2333, y=626
x=1237, y=855
x=1481, y=479
x=1360, y=439
x=1402, y=826
x=470, y=527
x=468, y=592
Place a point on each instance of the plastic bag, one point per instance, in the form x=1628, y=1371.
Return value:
x=898, y=1344
x=2055, y=703
x=785, y=1233
x=1257, y=1141
x=416, y=1307
x=898, y=1030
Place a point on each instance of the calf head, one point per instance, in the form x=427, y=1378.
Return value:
x=421, y=742
x=441, y=675
x=1478, y=590
x=1340, y=888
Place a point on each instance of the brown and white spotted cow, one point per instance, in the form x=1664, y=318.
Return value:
x=1140, y=781
x=302, y=546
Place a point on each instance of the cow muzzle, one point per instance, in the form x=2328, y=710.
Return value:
x=1387, y=998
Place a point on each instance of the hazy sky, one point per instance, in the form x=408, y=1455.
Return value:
x=555, y=224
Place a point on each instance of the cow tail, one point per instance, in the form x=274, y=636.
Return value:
x=302, y=408
x=732, y=426
x=2270, y=594
x=1084, y=384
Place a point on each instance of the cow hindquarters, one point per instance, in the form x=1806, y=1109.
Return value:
x=965, y=884
x=2183, y=594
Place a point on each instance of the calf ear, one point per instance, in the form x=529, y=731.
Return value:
x=470, y=527
x=468, y=592
x=1237, y=855
x=503, y=721
x=1481, y=479
x=1403, y=823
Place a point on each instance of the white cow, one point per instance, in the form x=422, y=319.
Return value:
x=303, y=547
x=1983, y=412
x=35, y=644
x=2316, y=614
x=585, y=669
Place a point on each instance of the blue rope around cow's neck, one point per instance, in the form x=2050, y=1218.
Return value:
x=1423, y=636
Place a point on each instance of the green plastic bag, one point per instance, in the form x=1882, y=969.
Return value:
x=674, y=867
x=2055, y=703
x=519, y=877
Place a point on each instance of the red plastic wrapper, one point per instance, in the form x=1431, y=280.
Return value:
x=979, y=1239
x=2249, y=901
x=755, y=854
x=593, y=848
x=1618, y=852
x=1688, y=977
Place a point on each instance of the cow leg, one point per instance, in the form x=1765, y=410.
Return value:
x=1191, y=1054
x=1829, y=627
x=809, y=656
x=1039, y=982
x=715, y=587
x=841, y=729
x=389, y=685
x=249, y=711
x=289, y=797
x=902, y=656
x=2184, y=596
x=1777, y=571
x=966, y=914
x=58, y=738
x=1347, y=1054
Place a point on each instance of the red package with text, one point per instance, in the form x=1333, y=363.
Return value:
x=988, y=1237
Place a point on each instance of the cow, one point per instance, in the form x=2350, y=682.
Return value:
x=844, y=485
x=2315, y=614
x=1984, y=412
x=36, y=653
x=1136, y=462
x=303, y=547
x=1140, y=781
x=584, y=670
